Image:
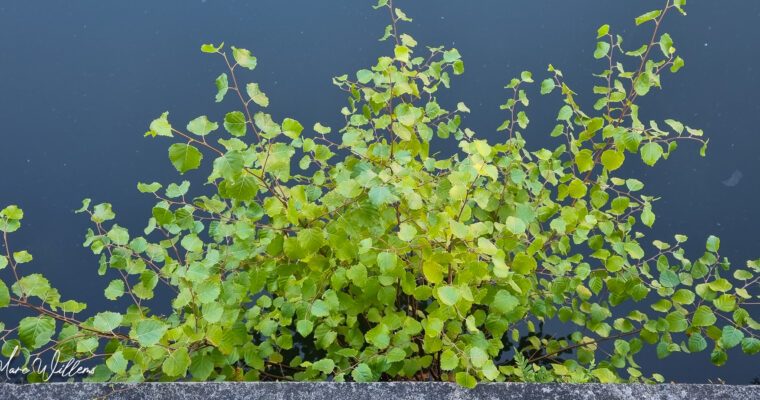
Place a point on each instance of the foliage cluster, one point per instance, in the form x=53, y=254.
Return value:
x=359, y=255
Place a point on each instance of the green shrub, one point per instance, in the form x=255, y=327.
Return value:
x=356, y=254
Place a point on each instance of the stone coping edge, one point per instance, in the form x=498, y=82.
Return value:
x=373, y=391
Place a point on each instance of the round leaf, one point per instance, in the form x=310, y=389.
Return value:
x=184, y=157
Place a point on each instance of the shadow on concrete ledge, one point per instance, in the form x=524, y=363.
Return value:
x=373, y=391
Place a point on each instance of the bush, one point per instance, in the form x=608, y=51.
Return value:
x=379, y=261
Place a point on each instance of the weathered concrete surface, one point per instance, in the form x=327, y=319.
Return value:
x=373, y=391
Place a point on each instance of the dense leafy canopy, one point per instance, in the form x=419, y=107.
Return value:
x=361, y=255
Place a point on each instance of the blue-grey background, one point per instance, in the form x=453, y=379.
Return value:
x=81, y=80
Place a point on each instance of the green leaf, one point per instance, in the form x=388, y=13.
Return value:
x=402, y=53
x=697, y=343
x=201, y=126
x=448, y=295
x=647, y=16
x=614, y=263
x=666, y=44
x=713, y=244
x=504, y=302
x=379, y=195
x=160, y=126
x=151, y=188
x=310, y=240
x=319, y=128
x=677, y=64
x=407, y=232
x=148, y=332
x=35, y=332
x=604, y=375
x=522, y=119
x=577, y=188
x=408, y=115
x=362, y=373
x=364, y=75
x=257, y=95
x=388, y=30
x=651, y=152
x=22, y=256
x=602, y=48
x=451, y=55
x=683, y=296
x=523, y=264
x=718, y=357
x=320, y=309
x=612, y=159
x=515, y=225
x=304, y=327
x=87, y=345
x=107, y=321
x=703, y=316
x=33, y=285
x=208, y=292
x=222, y=86
x=115, y=289
x=244, y=58
x=547, y=85
x=229, y=165
x=565, y=113
x=191, y=242
x=677, y=321
x=634, y=250
x=478, y=357
x=162, y=216
x=486, y=246
x=634, y=184
x=466, y=380
x=669, y=278
x=407, y=40
x=5, y=296
x=387, y=261
x=235, y=123
x=677, y=126
x=750, y=345
x=244, y=188
x=642, y=84
x=449, y=360
x=184, y=157
x=325, y=365
x=725, y=302
x=174, y=190
x=176, y=363
x=12, y=212
x=119, y=235
x=291, y=128
x=603, y=30
x=116, y=362
x=730, y=337
x=210, y=48
x=433, y=271
x=584, y=160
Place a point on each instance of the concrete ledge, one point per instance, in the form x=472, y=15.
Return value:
x=373, y=391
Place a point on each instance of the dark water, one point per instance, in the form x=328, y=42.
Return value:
x=80, y=81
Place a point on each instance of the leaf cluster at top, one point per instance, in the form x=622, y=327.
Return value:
x=359, y=254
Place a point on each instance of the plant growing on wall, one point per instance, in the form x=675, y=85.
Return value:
x=359, y=254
